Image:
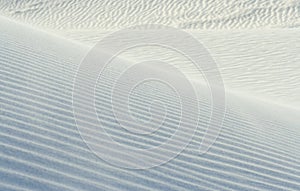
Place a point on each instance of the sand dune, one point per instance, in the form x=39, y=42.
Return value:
x=41, y=148
x=255, y=44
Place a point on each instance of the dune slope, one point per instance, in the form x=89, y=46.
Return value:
x=41, y=149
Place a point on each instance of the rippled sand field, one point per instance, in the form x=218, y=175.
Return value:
x=255, y=45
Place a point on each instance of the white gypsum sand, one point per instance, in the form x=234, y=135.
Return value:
x=257, y=54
